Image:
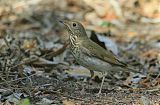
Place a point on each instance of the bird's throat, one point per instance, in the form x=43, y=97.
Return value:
x=74, y=44
x=73, y=40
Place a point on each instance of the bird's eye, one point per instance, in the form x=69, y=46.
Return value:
x=74, y=24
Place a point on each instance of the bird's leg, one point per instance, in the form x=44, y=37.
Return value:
x=92, y=73
x=104, y=74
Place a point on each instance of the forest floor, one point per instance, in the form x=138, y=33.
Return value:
x=36, y=66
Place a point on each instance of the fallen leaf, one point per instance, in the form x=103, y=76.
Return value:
x=67, y=102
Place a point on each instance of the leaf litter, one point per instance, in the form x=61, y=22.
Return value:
x=36, y=64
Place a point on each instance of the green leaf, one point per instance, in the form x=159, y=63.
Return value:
x=105, y=24
x=24, y=102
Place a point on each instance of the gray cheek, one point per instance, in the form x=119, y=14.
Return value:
x=77, y=31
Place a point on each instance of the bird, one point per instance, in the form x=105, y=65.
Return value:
x=91, y=55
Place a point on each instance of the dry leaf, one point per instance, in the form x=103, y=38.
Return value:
x=67, y=102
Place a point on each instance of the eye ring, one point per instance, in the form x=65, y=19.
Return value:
x=74, y=25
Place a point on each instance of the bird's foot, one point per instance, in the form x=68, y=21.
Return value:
x=82, y=92
x=98, y=94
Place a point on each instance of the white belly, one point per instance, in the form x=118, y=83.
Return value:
x=95, y=64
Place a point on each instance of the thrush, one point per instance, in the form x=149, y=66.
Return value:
x=90, y=55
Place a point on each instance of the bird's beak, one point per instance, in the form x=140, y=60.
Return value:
x=63, y=22
x=66, y=23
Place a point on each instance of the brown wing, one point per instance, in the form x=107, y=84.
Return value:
x=93, y=49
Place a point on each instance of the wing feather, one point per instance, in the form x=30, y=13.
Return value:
x=99, y=52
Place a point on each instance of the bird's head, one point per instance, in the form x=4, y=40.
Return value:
x=75, y=29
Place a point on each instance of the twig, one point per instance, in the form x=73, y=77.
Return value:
x=26, y=62
x=68, y=96
x=17, y=79
x=53, y=54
